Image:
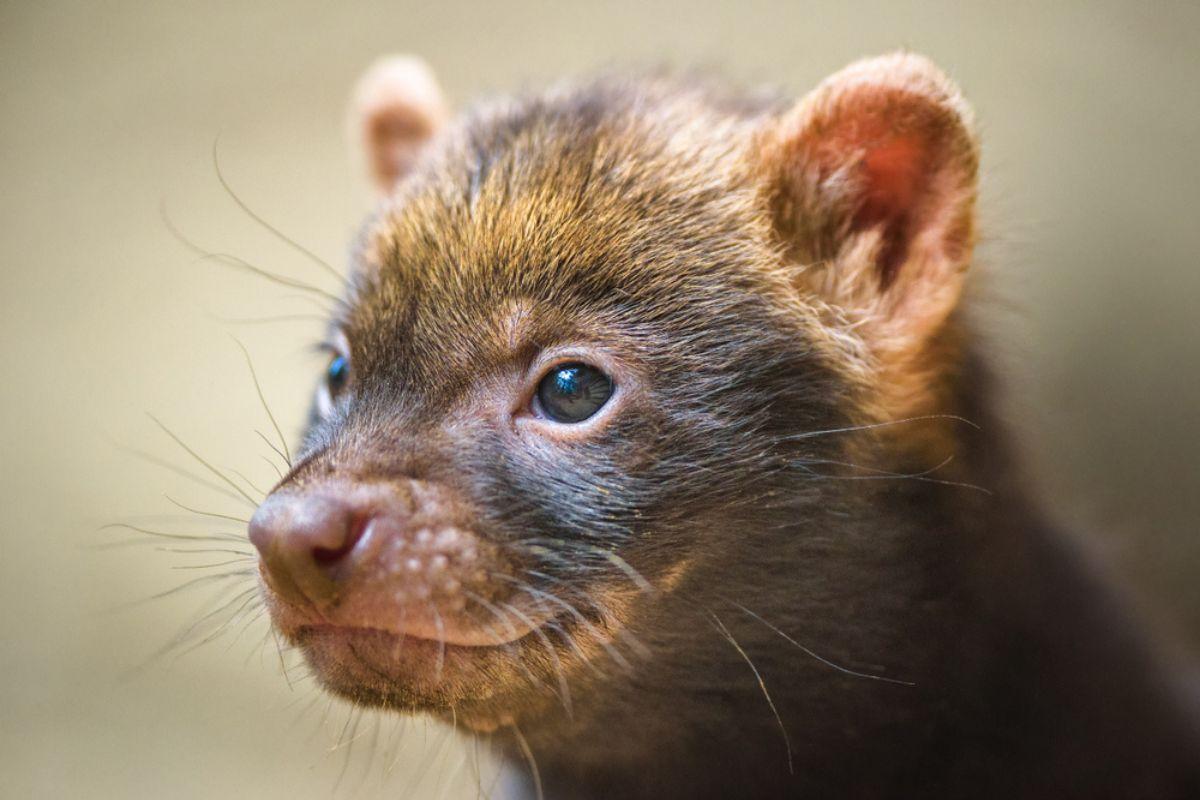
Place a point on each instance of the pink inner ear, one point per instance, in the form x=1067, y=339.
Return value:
x=394, y=136
x=892, y=175
x=878, y=172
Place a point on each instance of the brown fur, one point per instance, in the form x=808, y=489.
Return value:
x=762, y=283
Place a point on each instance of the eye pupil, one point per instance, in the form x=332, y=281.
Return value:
x=573, y=392
x=338, y=373
x=566, y=383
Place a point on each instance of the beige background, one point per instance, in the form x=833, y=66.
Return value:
x=1091, y=121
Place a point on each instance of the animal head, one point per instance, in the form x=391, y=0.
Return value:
x=588, y=338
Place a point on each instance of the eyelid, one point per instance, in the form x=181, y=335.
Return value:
x=334, y=346
x=623, y=375
x=540, y=407
x=335, y=343
x=548, y=361
x=331, y=349
x=537, y=371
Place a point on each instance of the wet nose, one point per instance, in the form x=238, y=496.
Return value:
x=306, y=541
x=398, y=556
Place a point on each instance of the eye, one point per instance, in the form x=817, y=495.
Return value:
x=571, y=393
x=337, y=374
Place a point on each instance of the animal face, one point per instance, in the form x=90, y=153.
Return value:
x=574, y=361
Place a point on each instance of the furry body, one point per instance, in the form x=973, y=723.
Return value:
x=796, y=558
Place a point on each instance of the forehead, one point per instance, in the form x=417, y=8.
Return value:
x=608, y=211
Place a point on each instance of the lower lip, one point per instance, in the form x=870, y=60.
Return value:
x=376, y=640
x=381, y=661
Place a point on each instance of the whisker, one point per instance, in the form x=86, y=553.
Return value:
x=224, y=576
x=304, y=251
x=533, y=767
x=231, y=260
x=307, y=708
x=214, y=536
x=261, y=649
x=349, y=728
x=247, y=481
x=216, y=514
x=571, y=642
x=249, y=623
x=270, y=319
x=414, y=781
x=475, y=765
x=883, y=474
x=456, y=769
x=877, y=425
x=491, y=789
x=277, y=451
x=440, y=757
x=247, y=597
x=325, y=714
x=633, y=574
x=217, y=564
x=397, y=748
x=198, y=626
x=507, y=645
x=373, y=752
x=810, y=653
x=287, y=454
x=636, y=577
x=178, y=470
x=621, y=631
x=761, y=684
x=357, y=718
x=512, y=629
x=595, y=632
x=282, y=663
x=441, y=635
x=273, y=465
x=207, y=550
x=207, y=465
x=564, y=688
x=237, y=262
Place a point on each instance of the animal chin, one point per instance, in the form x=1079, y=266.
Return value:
x=376, y=666
x=417, y=663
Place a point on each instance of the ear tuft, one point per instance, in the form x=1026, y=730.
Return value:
x=874, y=178
x=398, y=108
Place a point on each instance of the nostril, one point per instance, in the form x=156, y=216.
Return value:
x=300, y=537
x=355, y=527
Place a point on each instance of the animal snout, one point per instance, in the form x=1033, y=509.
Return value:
x=307, y=540
x=369, y=554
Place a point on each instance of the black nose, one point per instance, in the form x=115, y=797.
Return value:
x=305, y=539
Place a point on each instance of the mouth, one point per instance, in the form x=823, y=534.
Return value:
x=380, y=667
x=471, y=663
x=402, y=670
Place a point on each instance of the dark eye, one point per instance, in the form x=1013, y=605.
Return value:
x=337, y=374
x=573, y=392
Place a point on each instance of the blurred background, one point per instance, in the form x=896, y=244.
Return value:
x=1090, y=117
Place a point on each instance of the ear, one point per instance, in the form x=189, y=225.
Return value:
x=398, y=108
x=872, y=179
